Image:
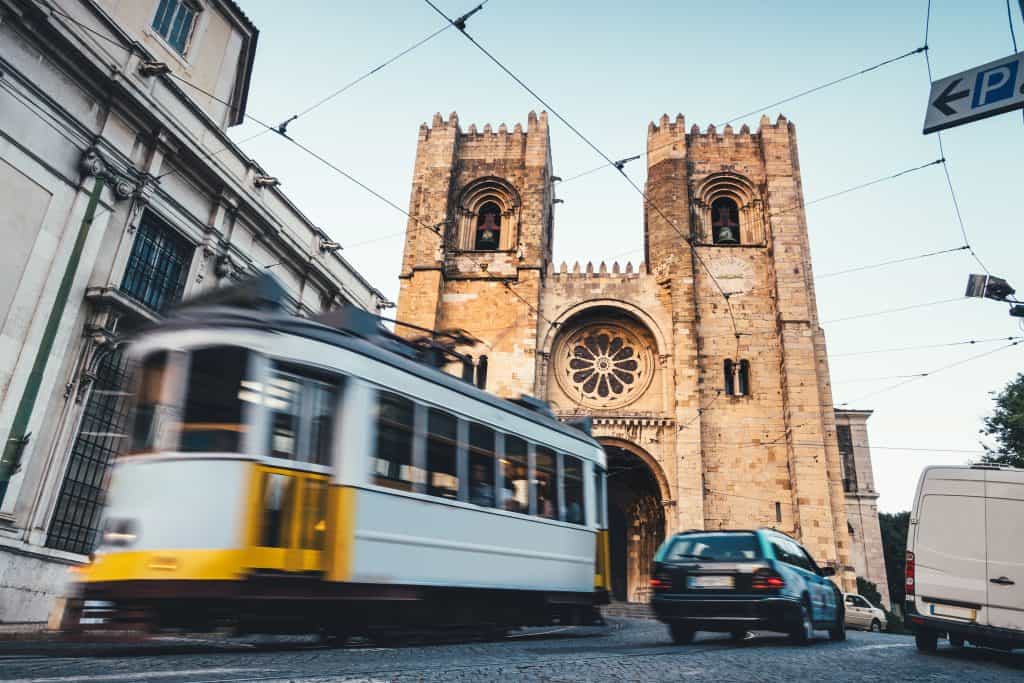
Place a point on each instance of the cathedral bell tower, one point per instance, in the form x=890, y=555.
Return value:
x=479, y=241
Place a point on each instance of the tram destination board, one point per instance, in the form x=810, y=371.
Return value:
x=986, y=90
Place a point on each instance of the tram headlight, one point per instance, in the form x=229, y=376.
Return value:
x=120, y=532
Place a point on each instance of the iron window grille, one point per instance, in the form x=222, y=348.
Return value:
x=102, y=436
x=158, y=265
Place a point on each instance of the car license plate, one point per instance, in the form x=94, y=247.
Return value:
x=954, y=611
x=710, y=582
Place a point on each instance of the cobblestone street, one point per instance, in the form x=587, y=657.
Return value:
x=626, y=650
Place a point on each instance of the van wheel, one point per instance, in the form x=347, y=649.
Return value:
x=803, y=630
x=876, y=626
x=956, y=641
x=926, y=641
x=681, y=634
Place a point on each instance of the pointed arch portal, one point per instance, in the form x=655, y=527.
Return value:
x=636, y=517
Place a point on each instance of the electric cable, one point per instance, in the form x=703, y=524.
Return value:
x=942, y=151
x=899, y=309
x=923, y=346
x=869, y=69
x=905, y=259
x=932, y=372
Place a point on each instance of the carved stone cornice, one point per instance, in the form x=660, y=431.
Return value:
x=95, y=165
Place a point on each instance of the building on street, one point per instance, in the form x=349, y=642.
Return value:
x=705, y=368
x=120, y=194
x=861, y=499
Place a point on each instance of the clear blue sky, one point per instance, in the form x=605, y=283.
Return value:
x=610, y=68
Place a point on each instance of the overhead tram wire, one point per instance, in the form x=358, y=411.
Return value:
x=870, y=266
x=942, y=151
x=619, y=165
x=899, y=309
x=283, y=126
x=892, y=60
x=268, y=127
x=899, y=349
x=931, y=372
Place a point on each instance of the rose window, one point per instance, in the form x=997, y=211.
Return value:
x=604, y=365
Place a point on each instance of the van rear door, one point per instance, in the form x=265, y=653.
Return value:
x=949, y=550
x=1005, y=512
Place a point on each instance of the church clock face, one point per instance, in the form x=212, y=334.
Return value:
x=734, y=275
x=604, y=365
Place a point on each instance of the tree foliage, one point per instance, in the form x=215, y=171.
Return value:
x=869, y=591
x=1005, y=426
x=894, y=548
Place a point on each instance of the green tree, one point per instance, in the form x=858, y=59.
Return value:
x=869, y=591
x=894, y=548
x=1005, y=426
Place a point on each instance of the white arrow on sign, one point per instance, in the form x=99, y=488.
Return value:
x=977, y=93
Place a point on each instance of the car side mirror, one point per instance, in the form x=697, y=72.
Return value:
x=827, y=571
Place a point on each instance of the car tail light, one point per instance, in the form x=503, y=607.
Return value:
x=766, y=580
x=661, y=583
x=908, y=586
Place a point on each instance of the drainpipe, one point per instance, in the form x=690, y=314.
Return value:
x=18, y=438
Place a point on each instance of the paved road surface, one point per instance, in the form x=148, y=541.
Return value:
x=626, y=650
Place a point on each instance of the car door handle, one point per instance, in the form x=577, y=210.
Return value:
x=1002, y=581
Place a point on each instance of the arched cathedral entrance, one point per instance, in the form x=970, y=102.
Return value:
x=636, y=522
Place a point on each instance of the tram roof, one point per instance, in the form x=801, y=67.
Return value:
x=380, y=348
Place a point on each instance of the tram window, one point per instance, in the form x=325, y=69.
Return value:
x=393, y=465
x=599, y=502
x=321, y=429
x=442, y=449
x=284, y=399
x=152, y=377
x=572, y=475
x=213, y=411
x=481, y=465
x=546, y=482
x=514, y=467
x=314, y=516
x=278, y=498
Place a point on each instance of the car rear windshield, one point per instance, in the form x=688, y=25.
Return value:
x=711, y=547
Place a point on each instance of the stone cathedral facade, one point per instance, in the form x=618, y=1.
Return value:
x=704, y=367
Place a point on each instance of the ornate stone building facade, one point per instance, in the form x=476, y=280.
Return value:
x=120, y=194
x=704, y=367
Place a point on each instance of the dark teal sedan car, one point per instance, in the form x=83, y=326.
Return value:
x=737, y=581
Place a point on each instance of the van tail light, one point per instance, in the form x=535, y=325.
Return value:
x=766, y=580
x=661, y=583
x=908, y=586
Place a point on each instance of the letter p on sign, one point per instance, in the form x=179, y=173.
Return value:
x=995, y=84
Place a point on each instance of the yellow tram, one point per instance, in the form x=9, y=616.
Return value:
x=323, y=475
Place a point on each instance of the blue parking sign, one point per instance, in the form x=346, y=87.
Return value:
x=995, y=84
x=986, y=90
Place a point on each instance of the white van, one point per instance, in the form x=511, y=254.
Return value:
x=965, y=557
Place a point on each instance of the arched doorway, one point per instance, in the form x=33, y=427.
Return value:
x=636, y=522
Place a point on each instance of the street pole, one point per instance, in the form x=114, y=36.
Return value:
x=18, y=438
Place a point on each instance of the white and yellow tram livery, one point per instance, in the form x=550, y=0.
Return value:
x=289, y=474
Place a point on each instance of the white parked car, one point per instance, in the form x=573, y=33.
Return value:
x=862, y=614
x=965, y=557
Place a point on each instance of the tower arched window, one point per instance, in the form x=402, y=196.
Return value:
x=487, y=217
x=488, y=228
x=737, y=377
x=725, y=221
